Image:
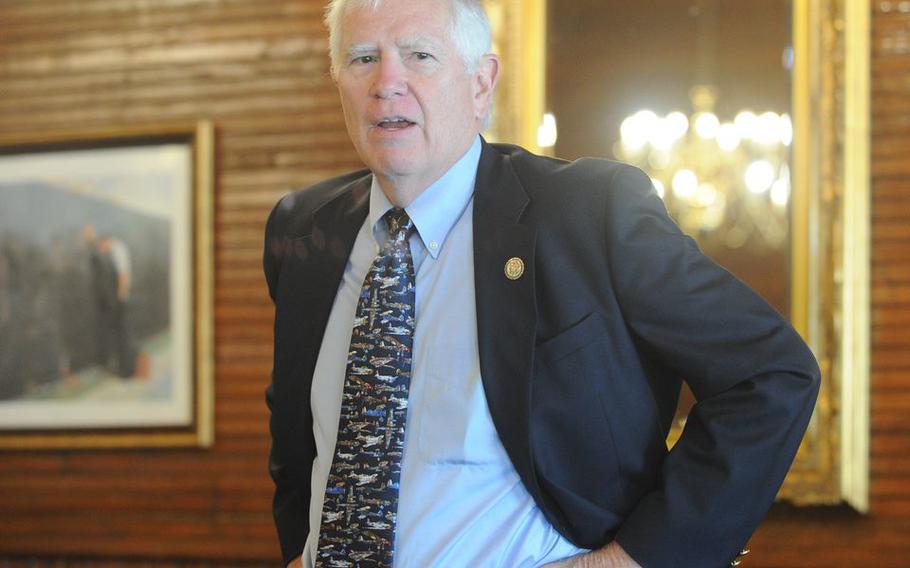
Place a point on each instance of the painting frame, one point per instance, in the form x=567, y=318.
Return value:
x=830, y=247
x=193, y=236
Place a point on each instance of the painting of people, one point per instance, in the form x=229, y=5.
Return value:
x=96, y=287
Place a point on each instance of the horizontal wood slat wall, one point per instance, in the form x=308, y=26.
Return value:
x=258, y=70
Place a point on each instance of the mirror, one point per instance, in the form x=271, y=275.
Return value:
x=697, y=94
x=751, y=117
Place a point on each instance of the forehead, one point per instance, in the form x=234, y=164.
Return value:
x=398, y=21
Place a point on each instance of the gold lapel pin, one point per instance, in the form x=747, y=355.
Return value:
x=515, y=267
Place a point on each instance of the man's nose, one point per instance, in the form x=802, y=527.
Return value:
x=390, y=79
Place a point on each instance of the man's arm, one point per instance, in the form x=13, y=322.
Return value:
x=291, y=500
x=610, y=556
x=753, y=377
x=289, y=505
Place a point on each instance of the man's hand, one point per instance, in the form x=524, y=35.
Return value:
x=610, y=556
x=297, y=562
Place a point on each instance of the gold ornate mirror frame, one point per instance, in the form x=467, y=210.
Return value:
x=830, y=224
x=519, y=37
x=831, y=258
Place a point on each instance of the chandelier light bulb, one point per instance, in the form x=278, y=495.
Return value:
x=759, y=176
x=647, y=118
x=685, y=184
x=707, y=125
x=546, y=132
x=660, y=159
x=780, y=192
x=745, y=123
x=786, y=130
x=705, y=195
x=668, y=130
x=634, y=132
x=677, y=124
x=728, y=137
x=659, y=187
x=662, y=138
x=767, y=129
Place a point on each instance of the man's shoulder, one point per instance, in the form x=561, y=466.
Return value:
x=298, y=206
x=314, y=196
x=545, y=175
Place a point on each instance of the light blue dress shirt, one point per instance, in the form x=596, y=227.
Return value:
x=461, y=501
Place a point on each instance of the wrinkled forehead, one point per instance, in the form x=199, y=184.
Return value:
x=425, y=15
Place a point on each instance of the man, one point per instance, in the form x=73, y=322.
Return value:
x=125, y=352
x=104, y=291
x=478, y=351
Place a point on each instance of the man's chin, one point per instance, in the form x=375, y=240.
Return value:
x=400, y=164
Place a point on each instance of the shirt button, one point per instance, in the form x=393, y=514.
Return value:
x=434, y=245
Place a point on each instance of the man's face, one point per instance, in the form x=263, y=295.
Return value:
x=410, y=106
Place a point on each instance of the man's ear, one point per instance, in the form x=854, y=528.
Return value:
x=485, y=77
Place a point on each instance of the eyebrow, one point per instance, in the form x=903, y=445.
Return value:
x=362, y=49
x=419, y=43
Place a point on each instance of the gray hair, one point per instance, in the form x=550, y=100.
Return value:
x=470, y=29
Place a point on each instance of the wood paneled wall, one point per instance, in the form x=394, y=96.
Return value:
x=257, y=69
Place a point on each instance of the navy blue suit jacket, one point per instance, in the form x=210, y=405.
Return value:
x=581, y=357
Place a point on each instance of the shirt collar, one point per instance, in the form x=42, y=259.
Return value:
x=438, y=207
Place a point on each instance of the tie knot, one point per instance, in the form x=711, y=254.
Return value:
x=400, y=225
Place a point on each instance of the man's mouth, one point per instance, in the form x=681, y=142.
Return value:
x=394, y=123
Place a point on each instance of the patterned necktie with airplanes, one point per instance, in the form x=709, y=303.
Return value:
x=361, y=496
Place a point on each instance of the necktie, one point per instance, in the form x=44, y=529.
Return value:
x=361, y=496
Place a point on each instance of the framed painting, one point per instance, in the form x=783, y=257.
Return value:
x=106, y=288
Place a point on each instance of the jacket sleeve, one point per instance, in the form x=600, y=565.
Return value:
x=754, y=379
x=291, y=500
x=290, y=505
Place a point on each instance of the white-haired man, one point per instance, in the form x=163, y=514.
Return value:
x=478, y=351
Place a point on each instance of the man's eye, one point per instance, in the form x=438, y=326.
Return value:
x=365, y=59
x=422, y=55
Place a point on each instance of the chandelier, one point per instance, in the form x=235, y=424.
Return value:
x=725, y=182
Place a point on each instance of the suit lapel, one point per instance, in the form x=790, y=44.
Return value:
x=506, y=309
x=328, y=246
